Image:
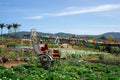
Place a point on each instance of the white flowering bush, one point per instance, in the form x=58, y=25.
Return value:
x=68, y=53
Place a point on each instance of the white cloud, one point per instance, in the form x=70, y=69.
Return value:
x=77, y=10
x=33, y=17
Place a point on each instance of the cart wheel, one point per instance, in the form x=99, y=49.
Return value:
x=44, y=61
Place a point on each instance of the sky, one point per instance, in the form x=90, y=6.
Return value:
x=82, y=17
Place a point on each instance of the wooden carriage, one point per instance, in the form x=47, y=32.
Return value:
x=45, y=55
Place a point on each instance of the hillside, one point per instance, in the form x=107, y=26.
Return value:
x=114, y=34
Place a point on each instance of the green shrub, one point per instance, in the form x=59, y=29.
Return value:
x=101, y=56
x=19, y=69
x=75, y=56
x=8, y=75
x=1, y=50
x=2, y=67
x=12, y=55
x=115, y=49
x=90, y=45
x=80, y=44
x=109, y=59
x=101, y=48
x=25, y=59
x=53, y=46
x=13, y=44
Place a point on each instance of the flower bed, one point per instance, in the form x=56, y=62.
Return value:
x=67, y=53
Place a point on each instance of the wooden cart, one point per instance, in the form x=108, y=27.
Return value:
x=45, y=55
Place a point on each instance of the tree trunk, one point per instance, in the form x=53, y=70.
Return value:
x=15, y=33
x=8, y=33
x=1, y=34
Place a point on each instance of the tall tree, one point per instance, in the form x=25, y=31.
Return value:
x=2, y=25
x=103, y=37
x=9, y=26
x=15, y=26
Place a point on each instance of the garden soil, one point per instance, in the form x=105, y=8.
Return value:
x=13, y=63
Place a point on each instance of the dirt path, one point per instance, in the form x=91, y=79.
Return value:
x=13, y=63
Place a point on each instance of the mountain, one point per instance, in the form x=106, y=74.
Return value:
x=115, y=35
x=64, y=34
